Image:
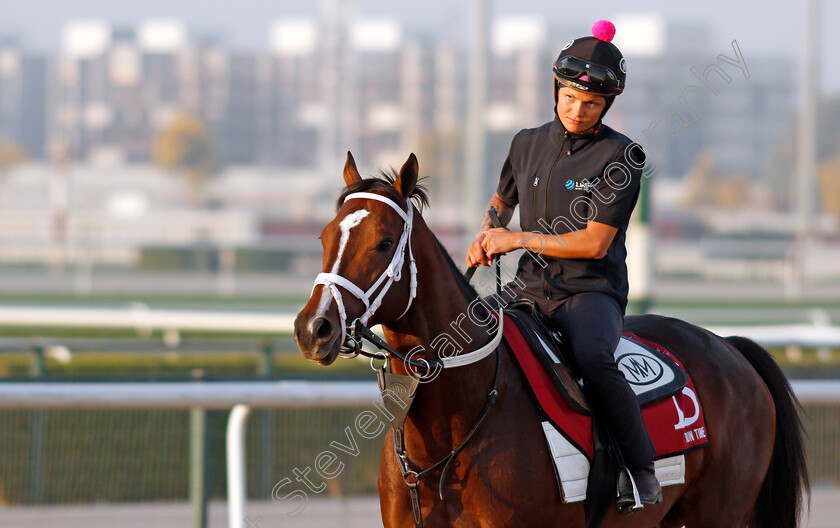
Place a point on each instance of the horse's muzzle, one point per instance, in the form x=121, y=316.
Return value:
x=317, y=337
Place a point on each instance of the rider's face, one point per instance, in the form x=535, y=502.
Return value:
x=577, y=110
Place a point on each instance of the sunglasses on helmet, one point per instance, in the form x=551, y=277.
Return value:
x=574, y=67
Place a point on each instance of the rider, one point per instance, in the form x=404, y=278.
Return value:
x=576, y=181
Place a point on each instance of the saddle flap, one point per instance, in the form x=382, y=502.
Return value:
x=547, y=345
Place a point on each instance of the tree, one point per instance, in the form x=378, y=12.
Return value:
x=829, y=177
x=710, y=186
x=185, y=146
x=783, y=159
x=11, y=154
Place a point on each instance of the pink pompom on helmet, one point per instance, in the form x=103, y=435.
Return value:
x=603, y=30
x=593, y=63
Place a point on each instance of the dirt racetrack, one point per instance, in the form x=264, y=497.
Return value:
x=323, y=513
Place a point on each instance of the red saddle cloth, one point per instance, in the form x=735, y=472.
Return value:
x=676, y=424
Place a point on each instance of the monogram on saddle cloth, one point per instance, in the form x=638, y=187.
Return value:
x=670, y=405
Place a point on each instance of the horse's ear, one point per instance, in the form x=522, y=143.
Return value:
x=407, y=179
x=351, y=173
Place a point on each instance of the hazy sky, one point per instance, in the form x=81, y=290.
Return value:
x=762, y=27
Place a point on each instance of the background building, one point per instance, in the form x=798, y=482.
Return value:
x=368, y=85
x=23, y=84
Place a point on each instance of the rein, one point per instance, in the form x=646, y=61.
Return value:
x=360, y=332
x=402, y=386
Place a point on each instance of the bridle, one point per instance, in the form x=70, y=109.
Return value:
x=392, y=273
x=356, y=332
x=405, y=387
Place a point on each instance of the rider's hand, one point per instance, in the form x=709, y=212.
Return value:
x=498, y=241
x=476, y=254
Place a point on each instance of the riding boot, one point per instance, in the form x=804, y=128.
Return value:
x=649, y=490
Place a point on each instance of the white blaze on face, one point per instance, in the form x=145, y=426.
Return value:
x=349, y=222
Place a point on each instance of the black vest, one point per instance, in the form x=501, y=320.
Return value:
x=561, y=181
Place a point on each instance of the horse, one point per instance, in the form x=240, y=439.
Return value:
x=394, y=272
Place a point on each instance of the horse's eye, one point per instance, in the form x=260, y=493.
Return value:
x=385, y=244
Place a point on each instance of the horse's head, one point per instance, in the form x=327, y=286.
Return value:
x=368, y=272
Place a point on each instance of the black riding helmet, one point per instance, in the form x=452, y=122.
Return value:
x=592, y=64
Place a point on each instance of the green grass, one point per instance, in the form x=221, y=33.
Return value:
x=175, y=365
x=286, y=363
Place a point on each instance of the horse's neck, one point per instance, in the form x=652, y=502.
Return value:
x=441, y=318
x=440, y=322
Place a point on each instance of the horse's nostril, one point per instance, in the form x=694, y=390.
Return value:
x=321, y=328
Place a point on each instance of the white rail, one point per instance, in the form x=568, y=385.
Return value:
x=142, y=317
x=145, y=318
x=237, y=484
x=812, y=336
x=227, y=394
x=817, y=391
x=220, y=395
x=241, y=395
x=185, y=395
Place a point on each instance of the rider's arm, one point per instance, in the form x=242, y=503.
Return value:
x=617, y=191
x=475, y=253
x=591, y=242
x=504, y=211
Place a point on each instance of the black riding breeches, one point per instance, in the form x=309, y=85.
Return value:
x=592, y=323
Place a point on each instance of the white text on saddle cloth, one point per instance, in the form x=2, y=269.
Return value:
x=683, y=422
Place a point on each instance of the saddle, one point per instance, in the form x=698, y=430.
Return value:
x=547, y=343
x=586, y=458
x=652, y=375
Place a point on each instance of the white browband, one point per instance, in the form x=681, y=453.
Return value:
x=383, y=199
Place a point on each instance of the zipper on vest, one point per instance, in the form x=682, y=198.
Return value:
x=557, y=159
x=548, y=185
x=546, y=290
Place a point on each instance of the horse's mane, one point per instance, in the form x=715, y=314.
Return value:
x=384, y=183
x=466, y=288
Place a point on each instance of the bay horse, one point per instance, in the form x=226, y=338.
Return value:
x=383, y=265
